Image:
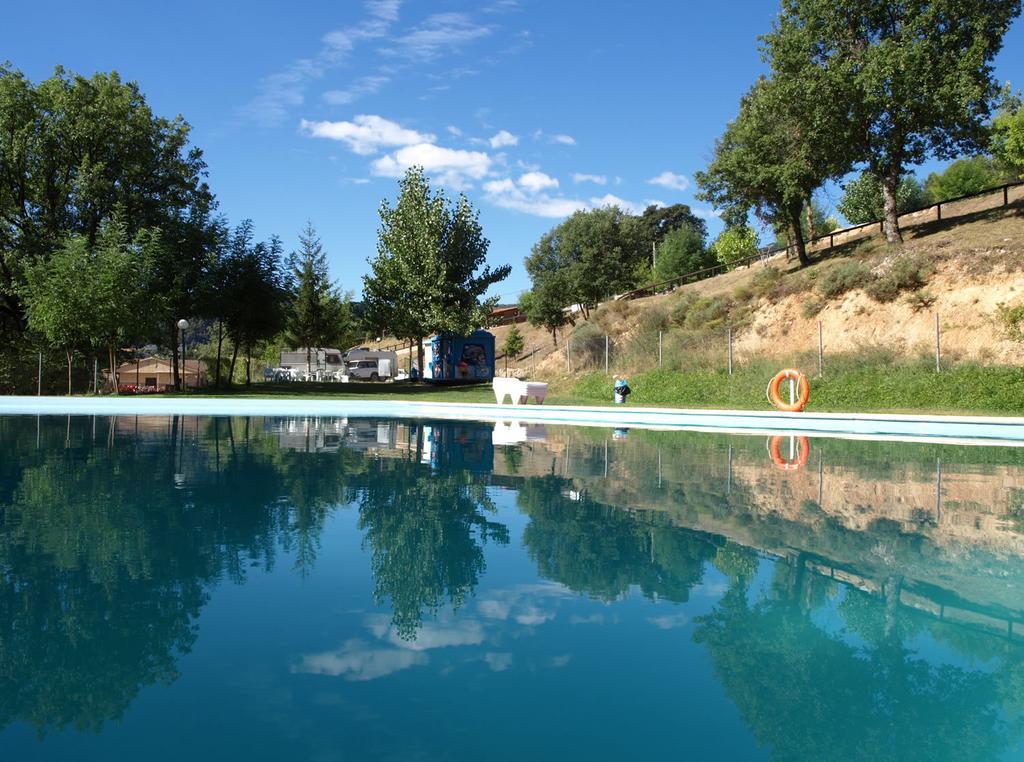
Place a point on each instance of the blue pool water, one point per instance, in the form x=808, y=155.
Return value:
x=331, y=589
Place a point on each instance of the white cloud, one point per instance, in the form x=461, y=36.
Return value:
x=285, y=89
x=580, y=177
x=533, y=616
x=366, y=134
x=494, y=609
x=503, y=138
x=440, y=33
x=671, y=180
x=453, y=130
x=533, y=182
x=465, y=632
x=526, y=195
x=450, y=166
x=669, y=621
x=356, y=661
x=654, y=202
x=365, y=86
x=566, y=140
x=498, y=662
x=610, y=199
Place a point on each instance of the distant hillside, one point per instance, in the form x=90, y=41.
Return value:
x=961, y=269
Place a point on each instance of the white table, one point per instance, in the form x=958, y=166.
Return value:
x=519, y=391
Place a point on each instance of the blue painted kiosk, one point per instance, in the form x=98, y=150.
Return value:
x=461, y=359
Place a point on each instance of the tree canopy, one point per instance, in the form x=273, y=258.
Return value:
x=427, y=274
x=912, y=79
x=863, y=202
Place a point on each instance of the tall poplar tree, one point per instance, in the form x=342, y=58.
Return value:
x=424, y=278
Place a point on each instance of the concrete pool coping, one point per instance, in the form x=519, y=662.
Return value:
x=951, y=429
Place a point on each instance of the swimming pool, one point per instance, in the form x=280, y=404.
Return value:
x=375, y=588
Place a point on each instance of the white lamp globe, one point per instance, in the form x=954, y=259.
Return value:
x=183, y=324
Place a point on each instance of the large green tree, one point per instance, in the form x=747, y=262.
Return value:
x=863, y=202
x=780, y=148
x=1007, y=144
x=912, y=77
x=427, y=276
x=72, y=150
x=93, y=296
x=963, y=177
x=256, y=294
x=682, y=251
x=585, y=259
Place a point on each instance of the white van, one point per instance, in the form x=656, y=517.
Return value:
x=370, y=364
x=373, y=369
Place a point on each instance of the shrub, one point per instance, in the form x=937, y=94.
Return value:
x=844, y=277
x=812, y=307
x=742, y=294
x=587, y=346
x=920, y=300
x=652, y=320
x=765, y=281
x=707, y=313
x=677, y=313
x=905, y=273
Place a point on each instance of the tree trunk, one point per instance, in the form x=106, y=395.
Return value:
x=231, y=368
x=248, y=366
x=798, y=236
x=419, y=357
x=220, y=344
x=892, y=220
x=309, y=351
x=809, y=212
x=113, y=368
x=68, y=353
x=176, y=376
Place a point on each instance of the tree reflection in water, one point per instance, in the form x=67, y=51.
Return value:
x=111, y=545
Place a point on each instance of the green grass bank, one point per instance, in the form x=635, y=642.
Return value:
x=855, y=386
x=912, y=387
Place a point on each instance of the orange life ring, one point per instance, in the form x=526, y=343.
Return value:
x=803, y=451
x=803, y=390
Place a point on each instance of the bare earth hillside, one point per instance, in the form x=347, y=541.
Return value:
x=974, y=263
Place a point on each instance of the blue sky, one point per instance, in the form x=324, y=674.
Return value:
x=533, y=108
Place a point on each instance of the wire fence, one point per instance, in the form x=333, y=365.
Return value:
x=724, y=349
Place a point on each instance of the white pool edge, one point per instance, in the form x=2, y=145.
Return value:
x=903, y=427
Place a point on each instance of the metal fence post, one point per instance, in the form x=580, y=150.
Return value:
x=39, y=377
x=821, y=353
x=606, y=354
x=659, y=349
x=568, y=362
x=938, y=351
x=728, y=338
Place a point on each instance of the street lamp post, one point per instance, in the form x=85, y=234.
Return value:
x=182, y=325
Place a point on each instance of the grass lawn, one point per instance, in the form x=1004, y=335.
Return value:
x=914, y=388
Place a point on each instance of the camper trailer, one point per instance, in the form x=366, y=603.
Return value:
x=323, y=361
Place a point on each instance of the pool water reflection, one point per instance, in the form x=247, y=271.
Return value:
x=368, y=589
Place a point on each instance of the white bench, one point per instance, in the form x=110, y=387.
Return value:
x=519, y=391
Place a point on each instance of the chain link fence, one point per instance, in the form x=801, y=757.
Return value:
x=588, y=349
